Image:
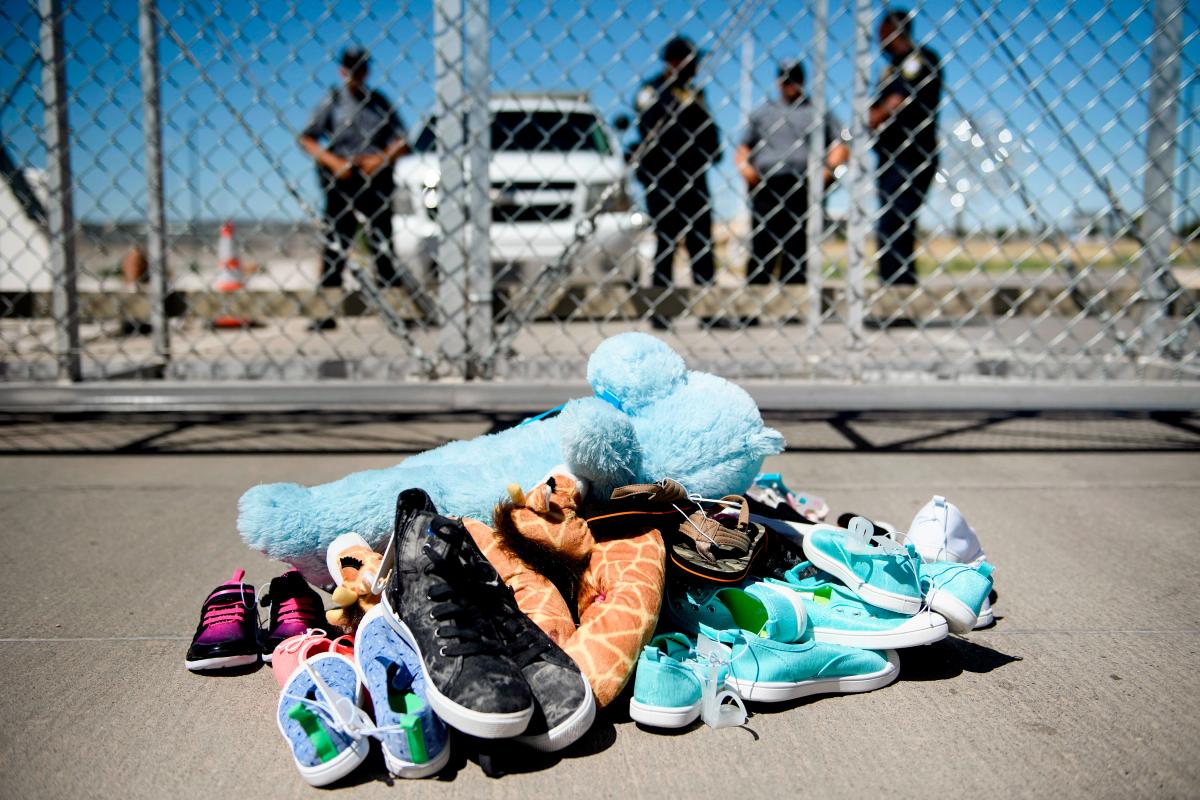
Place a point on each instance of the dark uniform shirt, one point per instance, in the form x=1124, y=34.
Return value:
x=678, y=129
x=910, y=136
x=354, y=126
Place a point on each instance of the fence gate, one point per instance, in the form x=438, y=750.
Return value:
x=969, y=191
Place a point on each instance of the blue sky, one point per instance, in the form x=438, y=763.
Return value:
x=249, y=80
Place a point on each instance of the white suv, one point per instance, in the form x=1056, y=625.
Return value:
x=552, y=159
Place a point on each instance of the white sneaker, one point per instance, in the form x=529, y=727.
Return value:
x=941, y=533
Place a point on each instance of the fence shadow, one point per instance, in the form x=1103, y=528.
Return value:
x=399, y=435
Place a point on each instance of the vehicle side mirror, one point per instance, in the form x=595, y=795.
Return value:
x=621, y=122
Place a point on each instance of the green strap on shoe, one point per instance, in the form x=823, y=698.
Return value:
x=312, y=726
x=410, y=723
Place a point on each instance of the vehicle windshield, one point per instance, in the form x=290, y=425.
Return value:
x=536, y=132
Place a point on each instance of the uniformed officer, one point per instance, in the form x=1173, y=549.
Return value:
x=364, y=136
x=679, y=141
x=904, y=117
x=773, y=160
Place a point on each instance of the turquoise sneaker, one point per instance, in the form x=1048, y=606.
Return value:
x=958, y=592
x=767, y=671
x=668, y=687
x=780, y=617
x=836, y=616
x=875, y=568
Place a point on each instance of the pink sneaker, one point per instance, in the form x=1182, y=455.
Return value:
x=227, y=635
x=295, y=609
x=288, y=654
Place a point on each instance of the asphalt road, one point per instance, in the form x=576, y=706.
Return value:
x=1086, y=686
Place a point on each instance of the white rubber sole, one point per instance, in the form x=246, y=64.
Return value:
x=408, y=770
x=986, y=617
x=467, y=720
x=224, y=662
x=958, y=615
x=342, y=765
x=569, y=730
x=663, y=716
x=924, y=628
x=880, y=598
x=777, y=692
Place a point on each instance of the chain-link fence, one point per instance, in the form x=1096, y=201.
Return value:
x=976, y=190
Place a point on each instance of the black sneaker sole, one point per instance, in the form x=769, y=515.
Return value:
x=221, y=662
x=567, y=732
x=474, y=723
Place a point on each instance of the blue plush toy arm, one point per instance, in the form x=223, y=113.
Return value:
x=599, y=443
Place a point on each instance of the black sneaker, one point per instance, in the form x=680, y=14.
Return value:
x=295, y=609
x=227, y=635
x=564, y=705
x=433, y=600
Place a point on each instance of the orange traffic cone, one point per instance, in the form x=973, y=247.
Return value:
x=229, y=277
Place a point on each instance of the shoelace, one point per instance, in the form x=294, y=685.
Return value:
x=231, y=610
x=295, y=609
x=454, y=596
x=338, y=712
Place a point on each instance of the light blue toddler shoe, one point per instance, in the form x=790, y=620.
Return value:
x=957, y=591
x=673, y=683
x=837, y=616
x=320, y=717
x=413, y=738
x=877, y=569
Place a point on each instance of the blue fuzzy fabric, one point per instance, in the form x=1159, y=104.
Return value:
x=655, y=420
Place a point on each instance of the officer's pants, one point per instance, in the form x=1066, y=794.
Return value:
x=902, y=189
x=681, y=208
x=778, y=207
x=372, y=200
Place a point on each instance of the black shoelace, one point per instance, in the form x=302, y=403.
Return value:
x=468, y=632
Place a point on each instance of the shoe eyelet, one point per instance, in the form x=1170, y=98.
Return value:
x=432, y=617
x=442, y=651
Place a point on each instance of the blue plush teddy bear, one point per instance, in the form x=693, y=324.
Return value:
x=650, y=418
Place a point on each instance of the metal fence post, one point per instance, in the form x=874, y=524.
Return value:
x=1158, y=197
x=478, y=331
x=60, y=214
x=815, y=224
x=857, y=227
x=452, y=207
x=156, y=225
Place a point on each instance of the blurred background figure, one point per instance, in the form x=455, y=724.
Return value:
x=773, y=160
x=904, y=117
x=679, y=142
x=363, y=137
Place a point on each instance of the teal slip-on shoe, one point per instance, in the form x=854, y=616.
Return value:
x=836, y=616
x=767, y=671
x=875, y=568
x=668, y=686
x=957, y=591
x=776, y=616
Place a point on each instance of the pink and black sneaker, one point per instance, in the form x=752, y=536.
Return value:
x=228, y=632
x=295, y=608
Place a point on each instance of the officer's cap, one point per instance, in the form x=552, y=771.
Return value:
x=354, y=58
x=791, y=71
x=680, y=49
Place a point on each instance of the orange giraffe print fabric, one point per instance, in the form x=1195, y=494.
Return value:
x=619, y=591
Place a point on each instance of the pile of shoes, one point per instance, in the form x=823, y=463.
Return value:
x=762, y=602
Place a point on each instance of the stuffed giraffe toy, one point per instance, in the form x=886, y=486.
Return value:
x=538, y=540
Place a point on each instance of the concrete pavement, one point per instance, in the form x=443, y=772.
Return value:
x=1086, y=686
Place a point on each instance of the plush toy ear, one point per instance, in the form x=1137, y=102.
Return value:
x=631, y=370
x=768, y=442
x=599, y=444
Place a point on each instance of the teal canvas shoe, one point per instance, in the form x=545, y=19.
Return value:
x=837, y=616
x=877, y=569
x=670, y=682
x=767, y=671
x=959, y=592
x=779, y=616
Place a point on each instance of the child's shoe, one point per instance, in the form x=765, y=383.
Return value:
x=674, y=686
x=321, y=719
x=289, y=653
x=875, y=568
x=837, y=616
x=295, y=609
x=958, y=592
x=227, y=635
x=808, y=506
x=941, y=533
x=414, y=739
